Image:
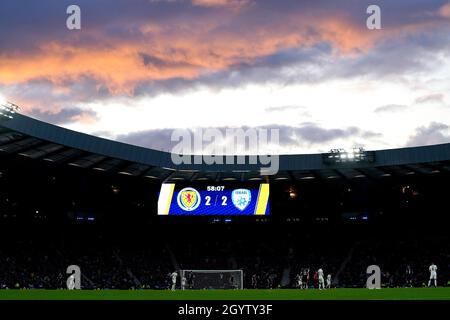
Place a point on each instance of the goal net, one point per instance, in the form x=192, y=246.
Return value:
x=212, y=279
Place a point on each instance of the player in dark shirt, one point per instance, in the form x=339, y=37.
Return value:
x=305, y=278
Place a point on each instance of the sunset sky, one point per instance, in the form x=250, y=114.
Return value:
x=139, y=69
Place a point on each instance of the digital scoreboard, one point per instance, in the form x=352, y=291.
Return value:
x=213, y=199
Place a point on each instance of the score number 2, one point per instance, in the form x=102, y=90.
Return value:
x=208, y=200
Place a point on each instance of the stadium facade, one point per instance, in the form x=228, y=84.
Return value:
x=38, y=140
x=70, y=198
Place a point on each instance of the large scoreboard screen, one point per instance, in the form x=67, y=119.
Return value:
x=213, y=199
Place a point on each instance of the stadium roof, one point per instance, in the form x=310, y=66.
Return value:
x=39, y=140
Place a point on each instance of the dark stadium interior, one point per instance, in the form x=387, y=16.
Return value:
x=54, y=215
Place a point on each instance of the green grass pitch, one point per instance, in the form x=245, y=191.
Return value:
x=278, y=294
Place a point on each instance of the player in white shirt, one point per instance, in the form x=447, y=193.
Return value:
x=329, y=281
x=183, y=283
x=71, y=282
x=409, y=274
x=298, y=280
x=321, y=280
x=433, y=274
x=174, y=276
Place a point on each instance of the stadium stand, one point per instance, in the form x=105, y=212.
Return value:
x=69, y=198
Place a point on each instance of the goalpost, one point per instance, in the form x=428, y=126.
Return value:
x=212, y=279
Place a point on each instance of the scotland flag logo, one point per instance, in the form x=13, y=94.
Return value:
x=188, y=199
x=241, y=198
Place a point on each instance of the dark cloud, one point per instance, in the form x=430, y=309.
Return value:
x=390, y=108
x=314, y=134
x=151, y=61
x=396, y=57
x=299, y=65
x=159, y=139
x=434, y=133
x=304, y=135
x=45, y=96
x=35, y=22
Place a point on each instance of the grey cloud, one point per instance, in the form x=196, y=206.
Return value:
x=434, y=133
x=387, y=60
x=371, y=135
x=297, y=111
x=158, y=139
x=433, y=98
x=390, y=108
x=43, y=94
x=283, y=68
x=417, y=53
x=284, y=108
x=65, y=115
x=314, y=134
x=152, y=61
x=305, y=134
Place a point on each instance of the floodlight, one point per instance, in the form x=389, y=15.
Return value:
x=341, y=156
x=7, y=110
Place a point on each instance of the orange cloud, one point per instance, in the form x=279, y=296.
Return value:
x=84, y=118
x=115, y=67
x=221, y=3
x=444, y=11
x=179, y=51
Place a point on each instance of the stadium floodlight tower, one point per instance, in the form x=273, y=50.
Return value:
x=7, y=110
x=340, y=156
x=212, y=279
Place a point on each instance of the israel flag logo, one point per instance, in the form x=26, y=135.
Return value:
x=241, y=198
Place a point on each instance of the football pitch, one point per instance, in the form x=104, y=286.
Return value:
x=276, y=294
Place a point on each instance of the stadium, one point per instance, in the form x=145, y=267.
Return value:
x=68, y=198
x=184, y=154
